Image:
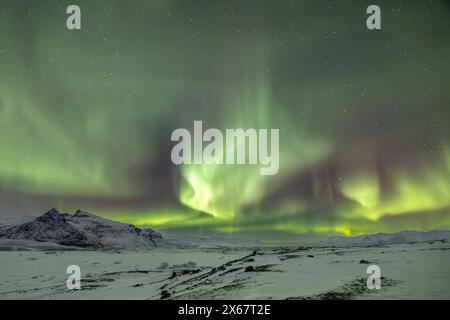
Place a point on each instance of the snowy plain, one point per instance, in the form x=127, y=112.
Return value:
x=409, y=271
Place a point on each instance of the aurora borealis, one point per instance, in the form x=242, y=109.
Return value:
x=364, y=116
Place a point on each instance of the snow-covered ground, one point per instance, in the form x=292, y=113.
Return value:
x=409, y=271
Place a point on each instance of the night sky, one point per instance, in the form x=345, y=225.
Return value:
x=364, y=116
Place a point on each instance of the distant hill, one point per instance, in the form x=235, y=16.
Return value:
x=82, y=230
x=386, y=239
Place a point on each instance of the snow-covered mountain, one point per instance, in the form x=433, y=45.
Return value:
x=386, y=239
x=81, y=230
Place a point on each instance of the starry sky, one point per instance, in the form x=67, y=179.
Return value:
x=364, y=116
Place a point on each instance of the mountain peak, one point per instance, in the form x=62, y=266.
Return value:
x=84, y=214
x=52, y=216
x=52, y=211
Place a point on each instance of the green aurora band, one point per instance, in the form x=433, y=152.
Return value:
x=364, y=117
